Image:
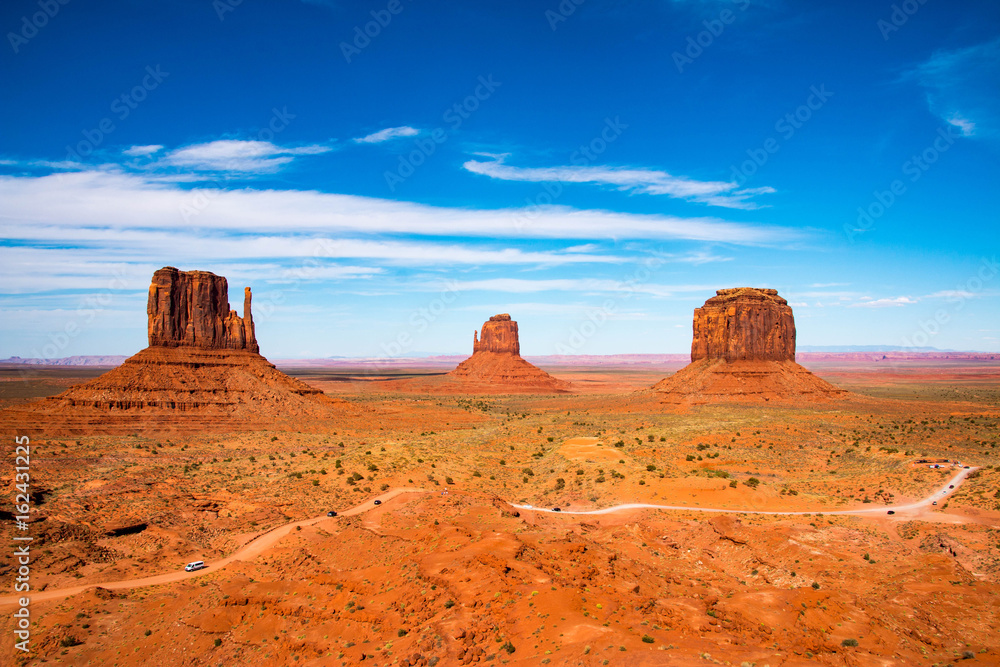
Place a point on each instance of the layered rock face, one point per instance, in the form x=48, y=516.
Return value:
x=191, y=308
x=743, y=349
x=201, y=371
x=499, y=335
x=744, y=323
x=496, y=362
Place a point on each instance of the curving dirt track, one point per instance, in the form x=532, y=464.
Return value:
x=268, y=539
x=255, y=547
x=920, y=505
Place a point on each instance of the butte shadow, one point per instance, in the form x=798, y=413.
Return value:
x=743, y=350
x=201, y=371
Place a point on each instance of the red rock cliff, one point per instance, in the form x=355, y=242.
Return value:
x=499, y=334
x=744, y=323
x=191, y=308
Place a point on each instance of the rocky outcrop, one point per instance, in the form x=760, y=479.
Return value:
x=743, y=349
x=744, y=323
x=201, y=371
x=499, y=335
x=496, y=363
x=191, y=308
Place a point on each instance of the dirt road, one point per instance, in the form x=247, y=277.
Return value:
x=946, y=489
x=268, y=539
x=254, y=547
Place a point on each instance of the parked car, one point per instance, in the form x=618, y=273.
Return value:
x=196, y=565
x=891, y=512
x=331, y=513
x=378, y=502
x=934, y=503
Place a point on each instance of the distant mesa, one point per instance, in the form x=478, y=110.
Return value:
x=743, y=348
x=496, y=361
x=202, y=370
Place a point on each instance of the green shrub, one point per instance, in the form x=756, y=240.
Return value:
x=849, y=642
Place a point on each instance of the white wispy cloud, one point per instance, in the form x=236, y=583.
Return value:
x=387, y=134
x=960, y=85
x=950, y=294
x=235, y=155
x=966, y=126
x=106, y=203
x=142, y=151
x=579, y=285
x=889, y=302
x=644, y=181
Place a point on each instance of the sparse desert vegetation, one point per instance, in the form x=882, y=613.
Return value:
x=455, y=575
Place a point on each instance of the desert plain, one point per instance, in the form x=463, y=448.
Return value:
x=452, y=568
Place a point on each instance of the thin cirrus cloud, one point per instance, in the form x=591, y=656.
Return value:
x=142, y=151
x=643, y=181
x=960, y=87
x=577, y=285
x=387, y=134
x=890, y=302
x=117, y=202
x=233, y=155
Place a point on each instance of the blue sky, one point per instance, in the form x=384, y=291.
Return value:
x=387, y=175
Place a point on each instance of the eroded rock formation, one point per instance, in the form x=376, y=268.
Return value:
x=743, y=349
x=201, y=371
x=744, y=323
x=496, y=361
x=191, y=308
x=499, y=335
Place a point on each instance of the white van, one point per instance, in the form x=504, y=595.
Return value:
x=197, y=565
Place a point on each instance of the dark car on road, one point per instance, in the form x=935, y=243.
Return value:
x=331, y=513
x=556, y=509
x=378, y=502
x=891, y=512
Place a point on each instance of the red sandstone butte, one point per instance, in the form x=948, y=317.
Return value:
x=744, y=323
x=201, y=371
x=496, y=361
x=191, y=308
x=743, y=349
x=499, y=335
